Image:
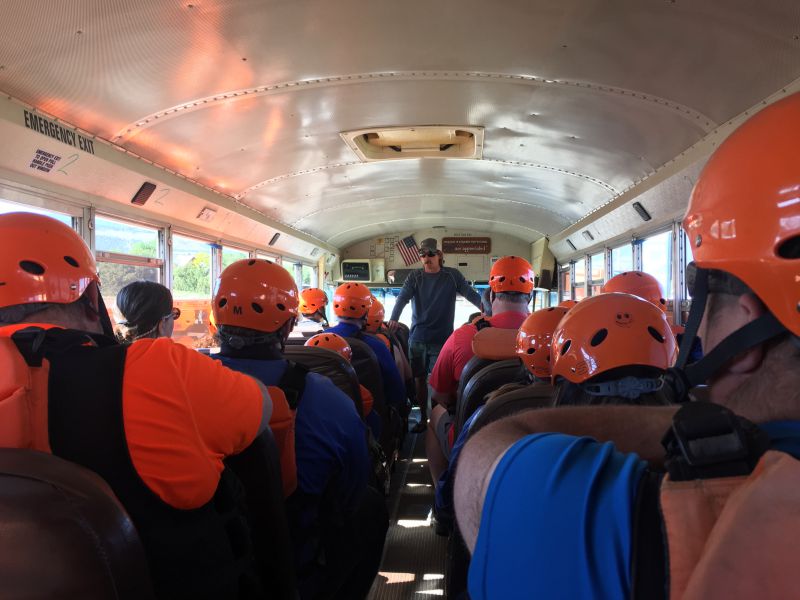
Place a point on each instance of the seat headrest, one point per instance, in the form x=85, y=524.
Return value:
x=495, y=343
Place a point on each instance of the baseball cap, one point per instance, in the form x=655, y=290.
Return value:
x=428, y=245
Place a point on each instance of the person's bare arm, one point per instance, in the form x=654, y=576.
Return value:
x=631, y=428
x=446, y=400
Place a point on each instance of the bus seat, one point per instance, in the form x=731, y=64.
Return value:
x=537, y=395
x=495, y=343
x=402, y=334
x=64, y=533
x=474, y=364
x=258, y=469
x=483, y=382
x=331, y=365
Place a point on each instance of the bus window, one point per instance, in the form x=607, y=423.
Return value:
x=309, y=276
x=657, y=260
x=621, y=259
x=565, y=283
x=125, y=253
x=7, y=207
x=191, y=289
x=579, y=278
x=231, y=255
x=597, y=270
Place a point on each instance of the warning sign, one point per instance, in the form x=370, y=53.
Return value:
x=44, y=161
x=58, y=132
x=466, y=245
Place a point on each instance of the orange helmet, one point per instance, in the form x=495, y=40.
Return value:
x=256, y=294
x=511, y=274
x=744, y=213
x=352, y=300
x=568, y=304
x=639, y=284
x=609, y=331
x=43, y=260
x=534, y=338
x=312, y=300
x=375, y=316
x=331, y=341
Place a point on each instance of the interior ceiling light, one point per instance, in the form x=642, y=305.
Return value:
x=207, y=214
x=642, y=211
x=571, y=245
x=274, y=238
x=588, y=236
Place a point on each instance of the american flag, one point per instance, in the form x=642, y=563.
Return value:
x=408, y=250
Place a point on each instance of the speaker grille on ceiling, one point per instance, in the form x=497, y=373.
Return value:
x=571, y=245
x=144, y=193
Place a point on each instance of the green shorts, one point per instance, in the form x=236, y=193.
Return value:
x=423, y=357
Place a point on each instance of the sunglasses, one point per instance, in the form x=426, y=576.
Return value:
x=429, y=254
x=175, y=313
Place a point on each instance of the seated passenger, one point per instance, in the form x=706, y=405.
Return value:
x=147, y=310
x=511, y=285
x=563, y=513
x=612, y=349
x=351, y=304
x=312, y=308
x=147, y=417
x=338, y=344
x=376, y=326
x=255, y=307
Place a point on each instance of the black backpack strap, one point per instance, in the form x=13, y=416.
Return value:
x=482, y=323
x=648, y=555
x=34, y=343
x=707, y=440
x=293, y=383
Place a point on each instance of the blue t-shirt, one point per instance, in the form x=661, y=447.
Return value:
x=557, y=520
x=394, y=390
x=330, y=438
x=433, y=303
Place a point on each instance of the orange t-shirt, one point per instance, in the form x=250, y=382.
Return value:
x=184, y=413
x=366, y=400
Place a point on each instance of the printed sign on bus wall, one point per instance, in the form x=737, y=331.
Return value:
x=466, y=245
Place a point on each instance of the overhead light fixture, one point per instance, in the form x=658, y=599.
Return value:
x=588, y=236
x=144, y=193
x=642, y=211
x=315, y=251
x=571, y=245
x=274, y=238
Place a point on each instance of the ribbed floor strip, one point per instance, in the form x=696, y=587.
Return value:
x=413, y=558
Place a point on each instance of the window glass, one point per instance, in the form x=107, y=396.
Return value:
x=269, y=257
x=597, y=268
x=125, y=238
x=565, y=284
x=687, y=258
x=231, y=255
x=657, y=260
x=114, y=276
x=7, y=207
x=579, y=278
x=309, y=275
x=191, y=289
x=621, y=259
x=388, y=297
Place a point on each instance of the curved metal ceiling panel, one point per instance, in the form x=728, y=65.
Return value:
x=580, y=99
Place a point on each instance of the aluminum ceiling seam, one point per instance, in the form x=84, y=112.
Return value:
x=347, y=205
x=130, y=130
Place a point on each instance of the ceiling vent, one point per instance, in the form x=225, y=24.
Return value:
x=425, y=141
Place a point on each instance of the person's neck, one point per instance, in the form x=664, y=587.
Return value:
x=500, y=307
x=357, y=323
x=432, y=269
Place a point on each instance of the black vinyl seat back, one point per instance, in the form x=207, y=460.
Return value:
x=474, y=364
x=402, y=334
x=330, y=364
x=64, y=534
x=536, y=395
x=483, y=382
x=368, y=370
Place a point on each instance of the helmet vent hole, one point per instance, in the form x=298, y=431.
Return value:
x=501, y=279
x=790, y=248
x=257, y=307
x=551, y=309
x=280, y=307
x=599, y=337
x=522, y=280
x=31, y=267
x=531, y=350
x=565, y=347
x=251, y=262
x=547, y=358
x=656, y=335
x=71, y=261
x=662, y=301
x=222, y=302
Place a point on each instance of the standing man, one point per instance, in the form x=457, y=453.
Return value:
x=432, y=291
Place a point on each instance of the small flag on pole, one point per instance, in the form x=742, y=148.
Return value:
x=408, y=250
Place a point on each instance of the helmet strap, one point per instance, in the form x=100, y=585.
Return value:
x=627, y=387
x=699, y=300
